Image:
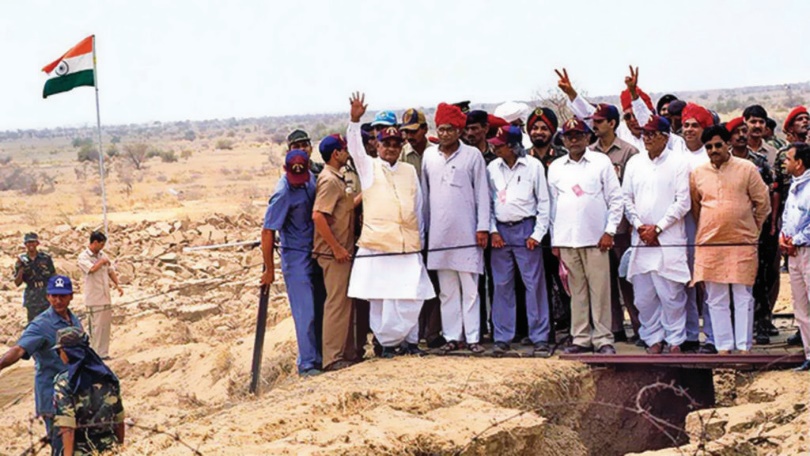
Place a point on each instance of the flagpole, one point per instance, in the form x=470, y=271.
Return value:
x=100, y=151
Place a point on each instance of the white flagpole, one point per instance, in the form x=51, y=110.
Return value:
x=100, y=151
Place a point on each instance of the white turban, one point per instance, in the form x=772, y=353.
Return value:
x=512, y=111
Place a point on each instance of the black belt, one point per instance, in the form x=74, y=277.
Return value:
x=517, y=222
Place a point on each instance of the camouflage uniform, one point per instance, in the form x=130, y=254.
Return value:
x=766, y=286
x=781, y=177
x=93, y=414
x=554, y=153
x=36, y=273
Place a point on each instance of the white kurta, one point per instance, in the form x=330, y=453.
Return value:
x=656, y=192
x=457, y=206
x=391, y=276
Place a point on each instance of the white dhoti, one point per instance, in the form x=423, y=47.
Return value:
x=661, y=309
x=396, y=286
x=718, y=299
x=461, y=317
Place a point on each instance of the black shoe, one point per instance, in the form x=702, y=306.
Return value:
x=619, y=336
x=412, y=349
x=762, y=338
x=641, y=343
x=795, y=339
x=500, y=348
x=436, y=342
x=804, y=367
x=388, y=352
x=526, y=341
x=378, y=349
x=690, y=346
x=606, y=350
x=769, y=328
x=577, y=350
x=708, y=349
x=541, y=350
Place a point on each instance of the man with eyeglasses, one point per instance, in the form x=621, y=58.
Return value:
x=454, y=182
x=730, y=203
x=656, y=196
x=586, y=209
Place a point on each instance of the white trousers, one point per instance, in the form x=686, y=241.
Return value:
x=718, y=298
x=661, y=309
x=458, y=293
x=799, y=267
x=395, y=320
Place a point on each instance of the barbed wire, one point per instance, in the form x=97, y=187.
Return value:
x=152, y=430
x=662, y=425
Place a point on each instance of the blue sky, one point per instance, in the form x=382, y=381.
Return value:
x=178, y=60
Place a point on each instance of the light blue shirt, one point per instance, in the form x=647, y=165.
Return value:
x=796, y=217
x=38, y=340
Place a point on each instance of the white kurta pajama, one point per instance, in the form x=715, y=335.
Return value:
x=656, y=192
x=395, y=285
x=456, y=193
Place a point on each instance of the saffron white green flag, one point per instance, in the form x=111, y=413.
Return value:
x=73, y=69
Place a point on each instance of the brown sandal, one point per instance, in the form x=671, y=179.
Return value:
x=450, y=346
x=476, y=348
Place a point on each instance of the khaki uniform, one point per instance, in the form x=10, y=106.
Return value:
x=335, y=199
x=98, y=300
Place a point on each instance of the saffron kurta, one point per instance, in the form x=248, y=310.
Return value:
x=456, y=191
x=730, y=205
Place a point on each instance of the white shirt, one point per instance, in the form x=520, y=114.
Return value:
x=586, y=200
x=518, y=193
x=697, y=158
x=656, y=192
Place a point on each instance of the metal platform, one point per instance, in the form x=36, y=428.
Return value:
x=760, y=360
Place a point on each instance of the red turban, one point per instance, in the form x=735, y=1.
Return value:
x=732, y=124
x=495, y=121
x=792, y=116
x=627, y=99
x=699, y=113
x=450, y=115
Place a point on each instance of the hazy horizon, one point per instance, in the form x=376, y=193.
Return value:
x=176, y=61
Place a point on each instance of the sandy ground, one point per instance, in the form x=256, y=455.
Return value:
x=184, y=356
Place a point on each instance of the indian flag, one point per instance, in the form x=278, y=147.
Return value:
x=73, y=69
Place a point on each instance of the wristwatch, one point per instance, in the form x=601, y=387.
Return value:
x=658, y=229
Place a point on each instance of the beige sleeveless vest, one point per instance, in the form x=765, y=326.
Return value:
x=389, y=216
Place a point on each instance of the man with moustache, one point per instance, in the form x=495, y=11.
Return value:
x=756, y=117
x=475, y=134
x=730, y=202
x=542, y=124
x=604, y=121
x=768, y=269
x=795, y=128
x=388, y=270
x=586, y=209
x=795, y=238
x=454, y=182
x=414, y=129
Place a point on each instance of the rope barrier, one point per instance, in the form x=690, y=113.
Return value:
x=468, y=246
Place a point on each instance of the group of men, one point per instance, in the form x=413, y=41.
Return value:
x=76, y=394
x=670, y=213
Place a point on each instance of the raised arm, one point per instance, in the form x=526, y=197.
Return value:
x=640, y=109
x=354, y=141
x=579, y=106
